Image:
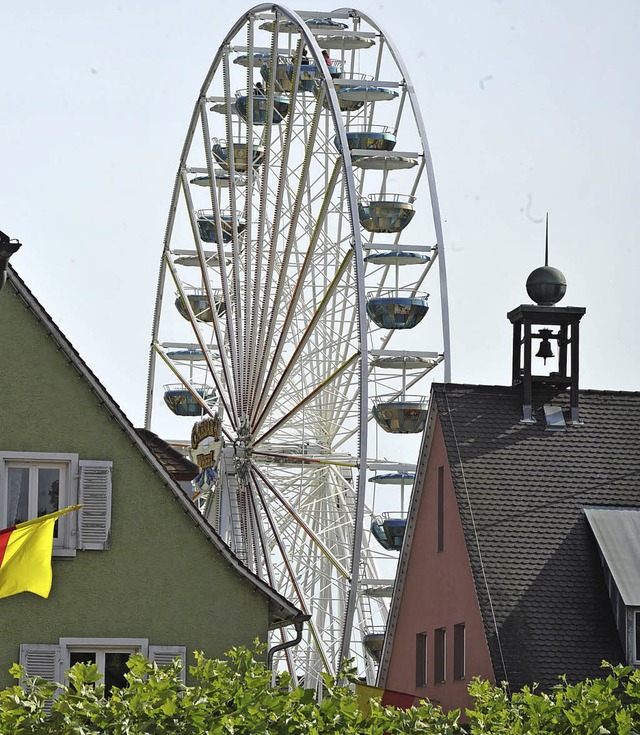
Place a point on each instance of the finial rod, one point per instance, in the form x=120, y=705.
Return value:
x=546, y=240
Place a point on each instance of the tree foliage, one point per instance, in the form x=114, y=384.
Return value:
x=234, y=696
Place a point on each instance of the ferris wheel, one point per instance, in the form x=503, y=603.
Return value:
x=292, y=306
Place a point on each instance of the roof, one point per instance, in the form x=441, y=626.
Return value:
x=281, y=611
x=176, y=464
x=617, y=531
x=521, y=491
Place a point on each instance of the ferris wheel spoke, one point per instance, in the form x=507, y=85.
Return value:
x=301, y=522
x=269, y=571
x=309, y=397
x=189, y=386
x=270, y=393
x=302, y=459
x=297, y=292
x=293, y=215
x=254, y=273
x=235, y=324
x=292, y=578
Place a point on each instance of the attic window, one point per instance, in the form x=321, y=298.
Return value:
x=617, y=534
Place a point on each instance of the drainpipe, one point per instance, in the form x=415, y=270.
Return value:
x=298, y=623
x=7, y=249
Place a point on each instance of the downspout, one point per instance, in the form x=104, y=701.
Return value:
x=298, y=622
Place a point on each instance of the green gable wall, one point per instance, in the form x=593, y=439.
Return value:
x=162, y=579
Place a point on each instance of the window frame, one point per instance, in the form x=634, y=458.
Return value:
x=440, y=656
x=440, y=511
x=65, y=543
x=101, y=646
x=459, y=651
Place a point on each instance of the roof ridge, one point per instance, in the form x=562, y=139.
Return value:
x=445, y=387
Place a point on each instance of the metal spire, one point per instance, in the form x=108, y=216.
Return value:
x=546, y=240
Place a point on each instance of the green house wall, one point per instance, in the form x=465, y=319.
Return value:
x=161, y=578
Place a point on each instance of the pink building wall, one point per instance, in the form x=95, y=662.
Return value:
x=438, y=593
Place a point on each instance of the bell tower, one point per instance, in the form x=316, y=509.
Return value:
x=544, y=322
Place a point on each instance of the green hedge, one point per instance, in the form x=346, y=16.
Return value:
x=234, y=696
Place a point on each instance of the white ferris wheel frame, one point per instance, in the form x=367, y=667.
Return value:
x=232, y=363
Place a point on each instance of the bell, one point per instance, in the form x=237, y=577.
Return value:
x=545, y=350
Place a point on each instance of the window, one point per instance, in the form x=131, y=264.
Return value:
x=34, y=484
x=636, y=635
x=440, y=508
x=459, y=653
x=421, y=659
x=51, y=661
x=439, y=656
x=110, y=659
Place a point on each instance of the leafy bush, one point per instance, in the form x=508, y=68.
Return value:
x=610, y=704
x=234, y=696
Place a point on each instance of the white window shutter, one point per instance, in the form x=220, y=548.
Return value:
x=41, y=659
x=164, y=655
x=94, y=518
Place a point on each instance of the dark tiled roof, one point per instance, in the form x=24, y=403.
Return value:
x=521, y=491
x=177, y=465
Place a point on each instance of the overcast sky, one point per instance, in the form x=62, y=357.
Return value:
x=529, y=107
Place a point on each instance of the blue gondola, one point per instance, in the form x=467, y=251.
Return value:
x=366, y=93
x=240, y=155
x=257, y=59
x=382, y=139
x=194, y=355
x=389, y=213
x=183, y=403
x=207, y=227
x=221, y=179
x=309, y=76
x=200, y=306
x=393, y=478
x=389, y=529
x=373, y=643
x=397, y=312
x=405, y=416
x=260, y=102
x=397, y=257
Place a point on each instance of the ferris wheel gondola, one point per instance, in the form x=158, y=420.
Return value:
x=287, y=290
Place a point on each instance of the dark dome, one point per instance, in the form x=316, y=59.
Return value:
x=546, y=285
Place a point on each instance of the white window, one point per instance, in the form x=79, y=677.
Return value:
x=51, y=661
x=110, y=655
x=34, y=484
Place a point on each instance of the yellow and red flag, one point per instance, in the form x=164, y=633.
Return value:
x=25, y=555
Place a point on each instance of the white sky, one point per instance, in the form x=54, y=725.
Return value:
x=529, y=107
